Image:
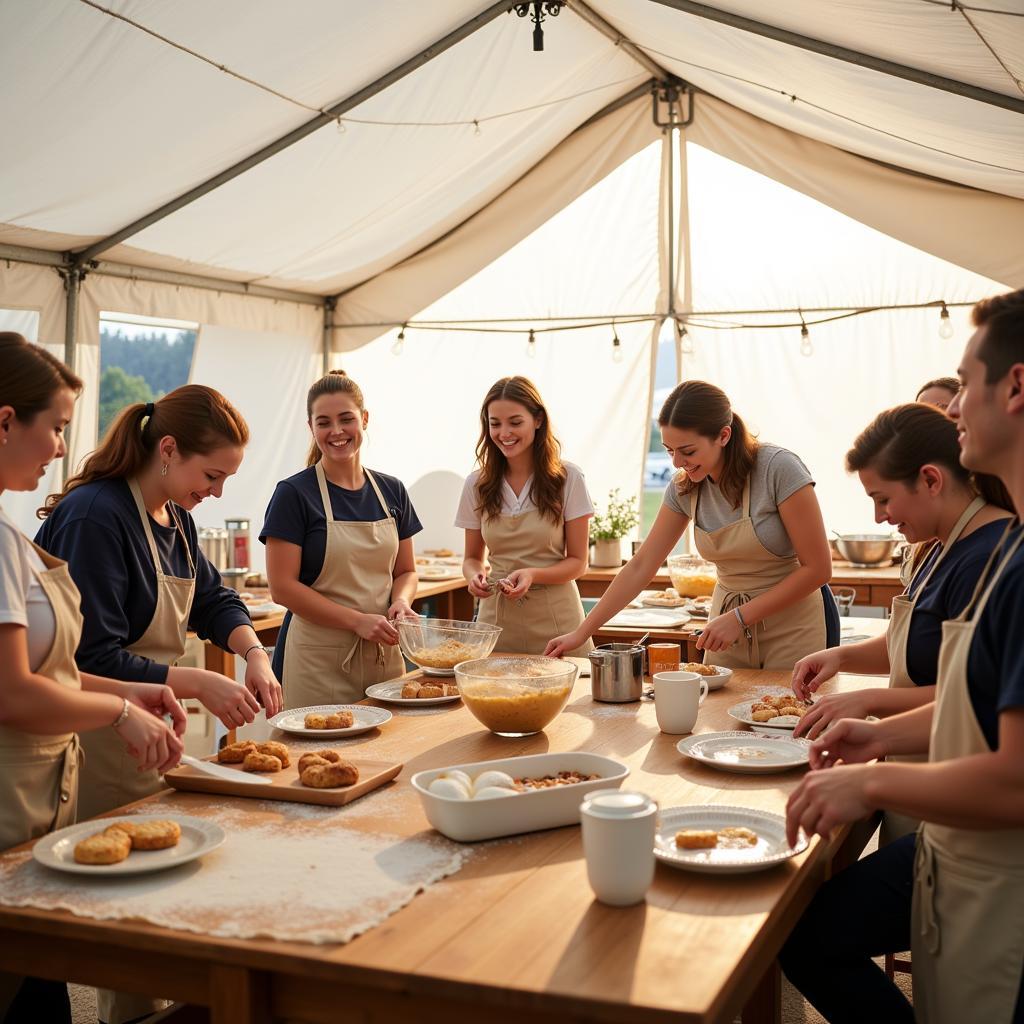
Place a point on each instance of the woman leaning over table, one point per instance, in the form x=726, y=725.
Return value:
x=756, y=518
x=954, y=892
x=908, y=461
x=339, y=557
x=530, y=512
x=44, y=699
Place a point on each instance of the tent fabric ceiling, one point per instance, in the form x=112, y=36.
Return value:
x=130, y=122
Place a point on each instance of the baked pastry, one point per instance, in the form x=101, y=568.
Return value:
x=737, y=835
x=668, y=598
x=451, y=689
x=764, y=714
x=410, y=691
x=311, y=758
x=234, y=753
x=108, y=847
x=339, y=720
x=257, y=762
x=440, y=553
x=330, y=775
x=315, y=721
x=697, y=839
x=148, y=835
x=430, y=690
x=278, y=750
x=699, y=667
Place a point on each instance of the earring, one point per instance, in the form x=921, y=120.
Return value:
x=163, y=469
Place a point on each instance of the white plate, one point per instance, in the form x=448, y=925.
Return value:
x=650, y=618
x=739, y=751
x=771, y=848
x=198, y=836
x=741, y=713
x=717, y=681
x=364, y=718
x=391, y=693
x=438, y=572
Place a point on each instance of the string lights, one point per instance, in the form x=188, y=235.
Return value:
x=399, y=345
x=531, y=346
x=806, y=348
x=616, y=346
x=945, y=324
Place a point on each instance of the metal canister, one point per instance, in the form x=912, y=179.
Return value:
x=238, y=543
x=214, y=544
x=617, y=672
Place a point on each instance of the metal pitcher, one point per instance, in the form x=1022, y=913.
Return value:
x=617, y=672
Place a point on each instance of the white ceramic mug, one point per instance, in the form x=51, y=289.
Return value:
x=618, y=843
x=677, y=695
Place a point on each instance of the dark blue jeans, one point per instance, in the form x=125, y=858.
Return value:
x=40, y=1001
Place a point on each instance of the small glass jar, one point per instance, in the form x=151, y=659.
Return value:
x=691, y=575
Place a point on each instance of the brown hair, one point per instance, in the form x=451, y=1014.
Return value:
x=549, y=473
x=701, y=407
x=335, y=382
x=899, y=441
x=950, y=384
x=30, y=376
x=1002, y=316
x=198, y=418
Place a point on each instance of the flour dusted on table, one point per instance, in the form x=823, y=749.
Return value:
x=287, y=871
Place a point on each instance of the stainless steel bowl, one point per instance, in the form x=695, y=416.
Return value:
x=866, y=548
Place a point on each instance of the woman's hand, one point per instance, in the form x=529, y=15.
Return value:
x=517, y=583
x=231, y=702
x=849, y=740
x=720, y=633
x=824, y=800
x=478, y=586
x=401, y=609
x=261, y=681
x=810, y=672
x=158, y=700
x=377, y=629
x=149, y=740
x=830, y=709
x=568, y=642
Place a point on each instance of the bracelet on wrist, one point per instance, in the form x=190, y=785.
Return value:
x=739, y=616
x=119, y=721
x=254, y=647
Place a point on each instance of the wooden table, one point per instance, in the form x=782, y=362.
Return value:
x=516, y=933
x=874, y=587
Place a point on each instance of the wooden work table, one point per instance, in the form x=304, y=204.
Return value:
x=516, y=933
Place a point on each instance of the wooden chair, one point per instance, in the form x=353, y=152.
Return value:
x=897, y=964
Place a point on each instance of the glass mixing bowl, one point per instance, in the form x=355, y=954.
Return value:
x=438, y=645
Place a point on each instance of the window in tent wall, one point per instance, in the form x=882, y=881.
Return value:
x=141, y=359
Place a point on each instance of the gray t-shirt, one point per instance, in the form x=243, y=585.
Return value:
x=777, y=475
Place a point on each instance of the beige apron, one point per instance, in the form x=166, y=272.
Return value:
x=968, y=917
x=111, y=777
x=530, y=541
x=897, y=634
x=746, y=568
x=324, y=665
x=39, y=774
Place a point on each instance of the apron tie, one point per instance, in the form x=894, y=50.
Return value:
x=733, y=601
x=924, y=880
x=74, y=757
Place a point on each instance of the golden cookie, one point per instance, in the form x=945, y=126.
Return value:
x=451, y=689
x=430, y=690
x=339, y=720
x=315, y=721
x=275, y=749
x=307, y=759
x=764, y=715
x=410, y=691
x=234, y=753
x=697, y=839
x=155, y=835
x=798, y=712
x=330, y=755
x=327, y=776
x=124, y=827
x=106, y=848
x=257, y=762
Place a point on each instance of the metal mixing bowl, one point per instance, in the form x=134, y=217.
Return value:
x=866, y=548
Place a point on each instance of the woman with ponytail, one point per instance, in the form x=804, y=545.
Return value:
x=908, y=460
x=44, y=699
x=756, y=518
x=339, y=557
x=123, y=525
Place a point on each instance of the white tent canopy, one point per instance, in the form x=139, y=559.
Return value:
x=447, y=171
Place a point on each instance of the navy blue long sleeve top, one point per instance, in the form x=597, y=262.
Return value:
x=96, y=529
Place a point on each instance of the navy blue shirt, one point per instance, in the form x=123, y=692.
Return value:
x=296, y=514
x=995, y=664
x=96, y=529
x=945, y=597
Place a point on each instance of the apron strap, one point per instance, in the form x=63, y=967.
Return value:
x=380, y=497
x=983, y=600
x=746, y=499
x=184, y=539
x=961, y=524
x=988, y=579
x=321, y=479
x=133, y=486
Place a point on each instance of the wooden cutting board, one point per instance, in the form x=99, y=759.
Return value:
x=285, y=784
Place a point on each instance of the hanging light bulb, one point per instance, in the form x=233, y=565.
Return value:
x=399, y=345
x=616, y=346
x=685, y=341
x=476, y=128
x=806, y=348
x=945, y=324
x=531, y=346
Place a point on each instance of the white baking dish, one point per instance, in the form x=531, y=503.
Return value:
x=472, y=820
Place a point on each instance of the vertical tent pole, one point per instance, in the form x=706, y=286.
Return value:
x=330, y=303
x=73, y=277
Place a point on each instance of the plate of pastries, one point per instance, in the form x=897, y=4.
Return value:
x=771, y=712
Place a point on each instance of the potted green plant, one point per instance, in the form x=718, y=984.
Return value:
x=609, y=527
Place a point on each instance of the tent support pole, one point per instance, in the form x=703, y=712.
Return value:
x=332, y=113
x=330, y=303
x=864, y=60
x=592, y=18
x=72, y=278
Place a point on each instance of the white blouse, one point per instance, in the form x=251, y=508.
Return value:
x=22, y=599
x=575, y=499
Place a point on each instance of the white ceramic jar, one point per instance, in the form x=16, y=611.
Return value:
x=618, y=843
